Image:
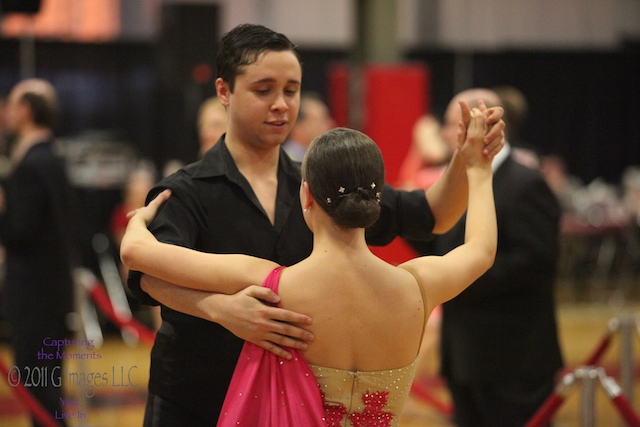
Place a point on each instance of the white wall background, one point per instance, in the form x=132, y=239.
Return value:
x=457, y=24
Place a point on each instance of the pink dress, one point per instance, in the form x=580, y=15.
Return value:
x=268, y=391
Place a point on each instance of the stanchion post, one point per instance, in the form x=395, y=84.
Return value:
x=627, y=326
x=588, y=376
x=114, y=286
x=85, y=312
x=79, y=327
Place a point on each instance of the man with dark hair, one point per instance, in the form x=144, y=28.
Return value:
x=36, y=229
x=243, y=196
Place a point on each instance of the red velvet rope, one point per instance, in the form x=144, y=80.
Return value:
x=38, y=412
x=422, y=391
x=626, y=410
x=599, y=350
x=546, y=411
x=101, y=298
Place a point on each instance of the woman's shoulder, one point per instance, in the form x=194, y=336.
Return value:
x=310, y=277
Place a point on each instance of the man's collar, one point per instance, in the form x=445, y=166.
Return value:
x=217, y=161
x=28, y=141
x=210, y=164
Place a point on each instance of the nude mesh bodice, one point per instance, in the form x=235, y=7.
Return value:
x=354, y=399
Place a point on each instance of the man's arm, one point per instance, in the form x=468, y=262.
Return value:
x=448, y=196
x=243, y=314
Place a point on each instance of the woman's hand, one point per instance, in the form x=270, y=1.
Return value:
x=147, y=213
x=494, y=139
x=471, y=137
x=137, y=238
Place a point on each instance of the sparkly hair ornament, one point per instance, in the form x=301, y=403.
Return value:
x=343, y=193
x=341, y=162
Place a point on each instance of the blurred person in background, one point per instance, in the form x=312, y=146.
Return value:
x=499, y=351
x=561, y=182
x=5, y=167
x=212, y=123
x=516, y=111
x=37, y=223
x=428, y=155
x=3, y=127
x=4, y=141
x=314, y=119
x=139, y=182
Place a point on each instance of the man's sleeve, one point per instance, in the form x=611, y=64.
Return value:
x=404, y=214
x=133, y=282
x=173, y=224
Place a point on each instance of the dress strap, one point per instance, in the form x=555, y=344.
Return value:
x=424, y=300
x=273, y=280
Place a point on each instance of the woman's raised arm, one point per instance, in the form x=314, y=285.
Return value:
x=446, y=276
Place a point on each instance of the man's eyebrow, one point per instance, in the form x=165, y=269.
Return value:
x=272, y=80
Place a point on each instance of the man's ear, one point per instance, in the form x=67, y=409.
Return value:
x=223, y=90
x=24, y=109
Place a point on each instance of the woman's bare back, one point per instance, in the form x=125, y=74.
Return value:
x=366, y=316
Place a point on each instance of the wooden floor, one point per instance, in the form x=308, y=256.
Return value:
x=582, y=328
x=121, y=402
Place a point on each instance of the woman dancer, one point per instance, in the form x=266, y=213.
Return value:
x=368, y=315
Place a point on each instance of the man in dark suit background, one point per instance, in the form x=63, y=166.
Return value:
x=499, y=345
x=37, y=225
